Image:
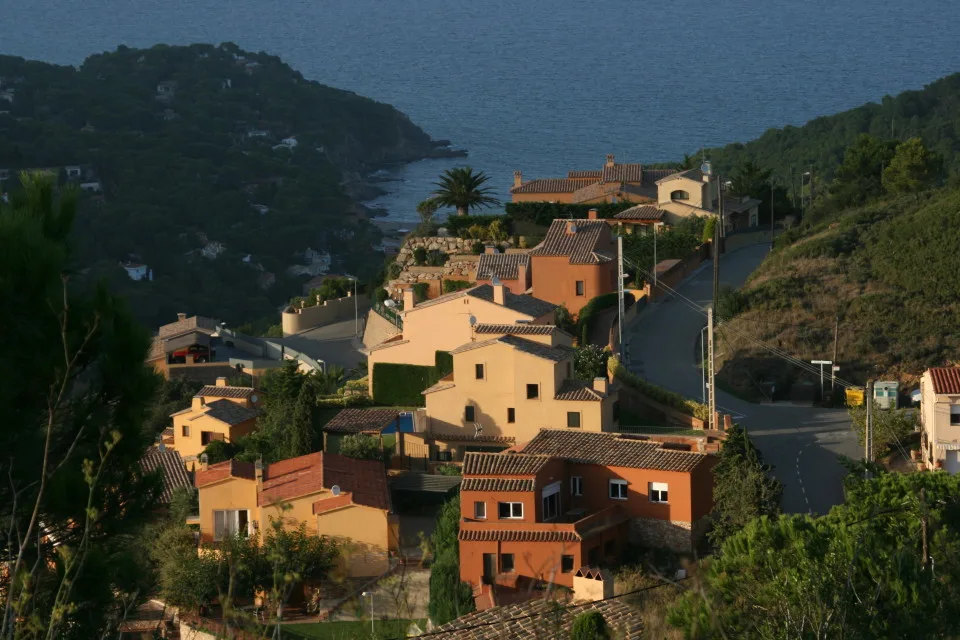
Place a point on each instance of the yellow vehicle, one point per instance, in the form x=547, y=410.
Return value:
x=855, y=396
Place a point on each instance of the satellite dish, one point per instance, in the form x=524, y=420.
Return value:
x=496, y=281
x=335, y=489
x=706, y=168
x=472, y=320
x=254, y=398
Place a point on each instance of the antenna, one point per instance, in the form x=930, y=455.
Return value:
x=472, y=320
x=496, y=281
x=335, y=490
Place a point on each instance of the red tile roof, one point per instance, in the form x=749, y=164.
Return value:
x=582, y=246
x=945, y=379
x=595, y=190
x=223, y=470
x=623, y=172
x=514, y=535
x=611, y=450
x=641, y=212
x=297, y=477
x=502, y=464
x=551, y=185
x=505, y=266
x=362, y=420
x=174, y=473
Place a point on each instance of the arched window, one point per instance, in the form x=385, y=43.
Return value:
x=679, y=195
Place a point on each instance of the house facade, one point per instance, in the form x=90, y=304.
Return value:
x=334, y=496
x=576, y=499
x=216, y=412
x=445, y=323
x=177, y=336
x=575, y=263
x=940, y=418
x=511, y=381
x=613, y=182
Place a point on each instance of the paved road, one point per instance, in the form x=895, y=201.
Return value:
x=801, y=442
x=335, y=344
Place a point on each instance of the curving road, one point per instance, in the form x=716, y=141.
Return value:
x=801, y=442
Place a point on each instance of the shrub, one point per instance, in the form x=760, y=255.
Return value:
x=394, y=270
x=381, y=295
x=589, y=362
x=449, y=470
x=658, y=394
x=543, y=213
x=443, y=363
x=449, y=286
x=220, y=451
x=458, y=225
x=730, y=302
x=420, y=256
x=449, y=597
x=587, y=317
x=477, y=248
x=420, y=291
x=361, y=446
x=437, y=258
x=401, y=384
x=589, y=625
x=709, y=229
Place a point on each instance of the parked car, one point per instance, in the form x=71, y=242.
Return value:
x=193, y=353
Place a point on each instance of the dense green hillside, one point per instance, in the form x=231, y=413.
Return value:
x=932, y=114
x=184, y=140
x=888, y=270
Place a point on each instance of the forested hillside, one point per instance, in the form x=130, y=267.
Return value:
x=184, y=141
x=932, y=114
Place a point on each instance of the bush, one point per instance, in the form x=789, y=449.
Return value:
x=449, y=597
x=477, y=248
x=589, y=362
x=361, y=446
x=420, y=256
x=449, y=470
x=437, y=258
x=401, y=384
x=709, y=229
x=543, y=213
x=730, y=302
x=420, y=291
x=220, y=451
x=589, y=625
x=443, y=362
x=658, y=394
x=381, y=295
x=458, y=225
x=449, y=286
x=587, y=317
x=394, y=270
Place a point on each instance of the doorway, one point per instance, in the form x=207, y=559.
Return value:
x=489, y=567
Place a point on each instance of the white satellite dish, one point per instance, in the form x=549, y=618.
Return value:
x=496, y=281
x=335, y=489
x=254, y=398
x=472, y=320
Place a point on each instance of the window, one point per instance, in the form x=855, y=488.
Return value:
x=658, y=492
x=576, y=486
x=206, y=437
x=479, y=369
x=533, y=391
x=573, y=419
x=609, y=547
x=230, y=523
x=566, y=564
x=185, y=431
x=506, y=563
x=510, y=510
x=511, y=415
x=618, y=489
x=480, y=510
x=550, y=499
x=679, y=195
x=471, y=413
x=955, y=414
x=579, y=287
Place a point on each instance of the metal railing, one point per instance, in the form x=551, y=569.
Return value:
x=389, y=315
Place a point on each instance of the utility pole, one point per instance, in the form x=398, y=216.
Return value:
x=836, y=338
x=772, y=218
x=620, y=295
x=654, y=255
x=923, y=529
x=868, y=439
x=716, y=243
x=712, y=393
x=810, y=204
x=793, y=190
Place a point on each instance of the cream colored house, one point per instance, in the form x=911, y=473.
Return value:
x=940, y=418
x=509, y=382
x=692, y=193
x=335, y=496
x=217, y=412
x=445, y=323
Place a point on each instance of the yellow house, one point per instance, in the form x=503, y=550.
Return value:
x=217, y=412
x=691, y=193
x=445, y=323
x=507, y=384
x=940, y=418
x=335, y=496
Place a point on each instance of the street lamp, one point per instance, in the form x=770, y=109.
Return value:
x=370, y=594
x=356, y=312
x=703, y=368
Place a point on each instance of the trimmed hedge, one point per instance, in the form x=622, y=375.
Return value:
x=444, y=363
x=543, y=213
x=658, y=394
x=420, y=291
x=401, y=384
x=587, y=317
x=449, y=286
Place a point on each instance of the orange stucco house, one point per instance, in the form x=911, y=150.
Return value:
x=335, y=496
x=576, y=261
x=614, y=182
x=217, y=412
x=569, y=500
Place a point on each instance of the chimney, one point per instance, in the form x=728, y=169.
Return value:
x=197, y=403
x=727, y=422
x=517, y=178
x=522, y=276
x=571, y=227
x=258, y=473
x=181, y=317
x=204, y=462
x=408, y=298
x=488, y=249
x=592, y=214
x=498, y=293
x=221, y=381
x=600, y=385
x=610, y=162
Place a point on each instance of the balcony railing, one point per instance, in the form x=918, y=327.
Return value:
x=581, y=524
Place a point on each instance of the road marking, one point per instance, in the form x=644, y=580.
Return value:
x=800, y=478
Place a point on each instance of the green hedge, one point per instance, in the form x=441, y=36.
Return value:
x=449, y=286
x=444, y=363
x=420, y=291
x=459, y=224
x=658, y=394
x=543, y=213
x=401, y=385
x=587, y=317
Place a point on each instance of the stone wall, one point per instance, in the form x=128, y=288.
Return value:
x=450, y=246
x=676, y=535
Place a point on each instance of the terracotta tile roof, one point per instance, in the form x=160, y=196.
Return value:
x=514, y=535
x=612, y=450
x=174, y=473
x=458, y=437
x=527, y=305
x=503, y=464
x=652, y=176
x=518, y=329
x=581, y=246
x=595, y=190
x=224, y=470
x=505, y=266
x=545, y=351
x=362, y=420
x=692, y=174
x=293, y=478
x=577, y=390
x=541, y=618
x=641, y=212
x=228, y=412
x=497, y=484
x=581, y=175
x=623, y=173
x=945, y=379
x=213, y=391
x=193, y=323
x=551, y=185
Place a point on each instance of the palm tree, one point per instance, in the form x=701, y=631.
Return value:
x=463, y=189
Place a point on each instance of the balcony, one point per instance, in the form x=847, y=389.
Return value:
x=573, y=525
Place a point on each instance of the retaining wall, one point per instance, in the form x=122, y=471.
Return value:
x=296, y=320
